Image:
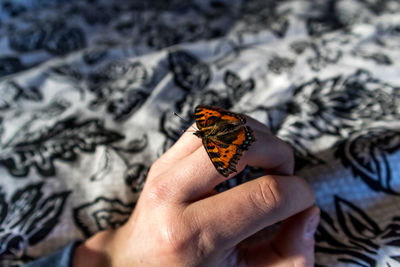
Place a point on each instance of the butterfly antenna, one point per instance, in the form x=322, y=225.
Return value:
x=184, y=121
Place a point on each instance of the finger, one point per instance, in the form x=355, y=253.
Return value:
x=236, y=214
x=287, y=166
x=256, y=125
x=196, y=174
x=293, y=245
x=295, y=238
x=185, y=145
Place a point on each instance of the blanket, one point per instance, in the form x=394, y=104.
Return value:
x=88, y=90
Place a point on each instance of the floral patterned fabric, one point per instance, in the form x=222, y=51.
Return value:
x=88, y=90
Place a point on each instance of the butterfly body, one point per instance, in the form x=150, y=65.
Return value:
x=224, y=136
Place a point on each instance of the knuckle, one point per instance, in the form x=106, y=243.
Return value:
x=202, y=238
x=172, y=245
x=185, y=241
x=173, y=233
x=269, y=194
x=157, y=190
x=202, y=244
x=302, y=261
x=172, y=240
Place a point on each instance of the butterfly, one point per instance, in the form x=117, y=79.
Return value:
x=224, y=136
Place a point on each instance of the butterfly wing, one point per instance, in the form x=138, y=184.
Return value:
x=223, y=156
x=243, y=137
x=226, y=151
x=207, y=116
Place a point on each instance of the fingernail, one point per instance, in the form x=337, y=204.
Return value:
x=312, y=224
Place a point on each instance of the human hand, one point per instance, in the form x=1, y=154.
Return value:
x=180, y=220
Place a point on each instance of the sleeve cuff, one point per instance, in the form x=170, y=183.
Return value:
x=61, y=258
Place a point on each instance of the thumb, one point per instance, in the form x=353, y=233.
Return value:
x=293, y=245
x=295, y=238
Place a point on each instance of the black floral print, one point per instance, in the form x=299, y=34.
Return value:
x=189, y=72
x=367, y=155
x=120, y=85
x=27, y=217
x=332, y=106
x=135, y=176
x=9, y=65
x=280, y=64
x=88, y=91
x=40, y=149
x=356, y=238
x=101, y=214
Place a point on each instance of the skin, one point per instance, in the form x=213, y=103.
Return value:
x=180, y=220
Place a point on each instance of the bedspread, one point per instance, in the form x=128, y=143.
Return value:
x=88, y=90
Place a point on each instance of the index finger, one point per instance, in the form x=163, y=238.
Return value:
x=196, y=174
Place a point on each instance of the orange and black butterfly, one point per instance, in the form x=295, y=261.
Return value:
x=224, y=136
